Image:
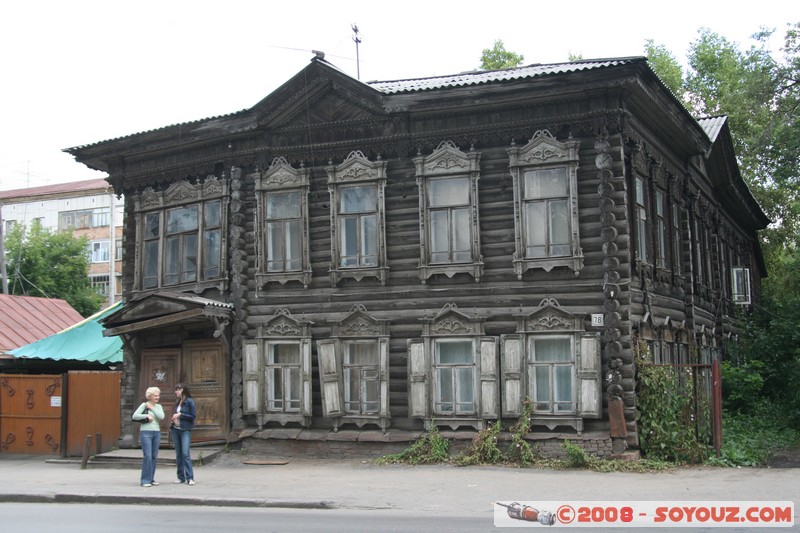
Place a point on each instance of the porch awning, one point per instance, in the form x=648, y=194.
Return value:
x=83, y=341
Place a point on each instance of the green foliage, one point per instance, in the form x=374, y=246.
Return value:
x=666, y=414
x=520, y=450
x=498, y=57
x=574, y=57
x=741, y=385
x=483, y=448
x=576, y=456
x=51, y=265
x=430, y=448
x=751, y=439
x=666, y=66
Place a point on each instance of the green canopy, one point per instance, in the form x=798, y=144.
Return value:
x=83, y=341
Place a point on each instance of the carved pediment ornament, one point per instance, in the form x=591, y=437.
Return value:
x=282, y=324
x=356, y=167
x=451, y=325
x=180, y=192
x=549, y=316
x=659, y=173
x=639, y=160
x=281, y=174
x=447, y=159
x=549, y=321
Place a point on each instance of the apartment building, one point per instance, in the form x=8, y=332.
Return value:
x=90, y=208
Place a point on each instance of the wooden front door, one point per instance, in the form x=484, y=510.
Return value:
x=160, y=368
x=205, y=373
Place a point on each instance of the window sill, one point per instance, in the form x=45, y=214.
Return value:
x=574, y=263
x=380, y=273
x=283, y=278
x=473, y=269
x=553, y=421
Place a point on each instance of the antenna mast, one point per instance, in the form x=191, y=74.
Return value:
x=357, y=40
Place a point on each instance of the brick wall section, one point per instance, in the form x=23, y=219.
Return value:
x=309, y=443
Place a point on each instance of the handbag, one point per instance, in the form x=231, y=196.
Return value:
x=143, y=420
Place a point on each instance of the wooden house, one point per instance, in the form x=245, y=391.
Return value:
x=389, y=256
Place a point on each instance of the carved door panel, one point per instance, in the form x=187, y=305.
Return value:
x=205, y=373
x=160, y=368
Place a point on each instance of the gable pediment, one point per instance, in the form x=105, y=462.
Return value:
x=319, y=95
x=550, y=316
x=359, y=323
x=284, y=324
x=451, y=321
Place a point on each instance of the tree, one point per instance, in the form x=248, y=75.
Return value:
x=498, y=57
x=666, y=66
x=51, y=265
x=761, y=96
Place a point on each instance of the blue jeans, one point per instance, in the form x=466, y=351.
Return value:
x=182, y=439
x=150, y=440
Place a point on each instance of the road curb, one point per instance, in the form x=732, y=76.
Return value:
x=165, y=501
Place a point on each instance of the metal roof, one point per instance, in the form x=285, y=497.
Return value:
x=478, y=77
x=59, y=188
x=25, y=319
x=712, y=125
x=83, y=341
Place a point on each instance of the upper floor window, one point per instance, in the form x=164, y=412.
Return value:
x=453, y=376
x=354, y=370
x=84, y=218
x=358, y=238
x=740, y=285
x=100, y=284
x=448, y=203
x=99, y=251
x=661, y=230
x=555, y=363
x=282, y=194
x=545, y=204
x=676, y=239
x=181, y=235
x=640, y=218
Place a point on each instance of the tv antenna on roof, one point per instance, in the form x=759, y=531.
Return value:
x=357, y=40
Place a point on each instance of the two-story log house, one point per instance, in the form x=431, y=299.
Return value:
x=388, y=256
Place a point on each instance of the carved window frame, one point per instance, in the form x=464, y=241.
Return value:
x=358, y=326
x=550, y=321
x=453, y=325
x=357, y=170
x=282, y=328
x=448, y=162
x=181, y=194
x=544, y=151
x=281, y=177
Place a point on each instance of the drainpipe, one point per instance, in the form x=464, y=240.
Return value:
x=112, y=253
x=3, y=273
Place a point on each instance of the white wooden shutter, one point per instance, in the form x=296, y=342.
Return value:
x=305, y=376
x=383, y=373
x=418, y=369
x=511, y=366
x=490, y=398
x=590, y=387
x=330, y=379
x=253, y=375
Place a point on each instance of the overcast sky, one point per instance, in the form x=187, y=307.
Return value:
x=77, y=72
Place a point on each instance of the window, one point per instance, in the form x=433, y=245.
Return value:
x=448, y=203
x=661, y=230
x=282, y=194
x=182, y=242
x=118, y=249
x=354, y=370
x=99, y=251
x=552, y=360
x=676, y=239
x=552, y=374
x=544, y=173
x=358, y=238
x=10, y=226
x=277, y=371
x=640, y=218
x=453, y=377
x=283, y=368
x=100, y=285
x=740, y=290
x=84, y=218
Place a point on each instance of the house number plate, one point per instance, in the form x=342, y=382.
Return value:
x=597, y=319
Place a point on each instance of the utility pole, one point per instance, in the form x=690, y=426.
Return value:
x=357, y=40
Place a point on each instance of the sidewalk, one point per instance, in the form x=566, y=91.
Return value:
x=354, y=484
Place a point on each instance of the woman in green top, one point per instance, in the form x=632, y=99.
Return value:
x=150, y=434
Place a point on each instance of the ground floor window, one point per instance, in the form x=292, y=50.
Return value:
x=552, y=370
x=454, y=370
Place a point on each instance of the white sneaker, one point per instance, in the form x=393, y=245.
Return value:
x=147, y=484
x=190, y=482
